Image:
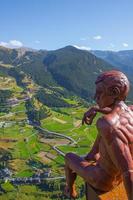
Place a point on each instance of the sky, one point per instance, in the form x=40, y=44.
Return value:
x=53, y=24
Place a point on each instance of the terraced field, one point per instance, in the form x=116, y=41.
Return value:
x=28, y=152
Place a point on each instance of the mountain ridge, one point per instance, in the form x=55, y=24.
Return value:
x=73, y=69
x=123, y=60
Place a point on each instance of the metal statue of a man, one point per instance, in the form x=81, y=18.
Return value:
x=112, y=151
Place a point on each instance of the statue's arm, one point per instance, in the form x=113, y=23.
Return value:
x=94, y=152
x=91, y=113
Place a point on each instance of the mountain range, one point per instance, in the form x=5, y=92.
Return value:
x=122, y=60
x=67, y=71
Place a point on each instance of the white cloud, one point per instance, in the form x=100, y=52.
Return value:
x=12, y=44
x=125, y=44
x=82, y=47
x=97, y=37
x=5, y=44
x=15, y=43
x=37, y=41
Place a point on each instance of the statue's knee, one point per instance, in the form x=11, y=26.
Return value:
x=68, y=156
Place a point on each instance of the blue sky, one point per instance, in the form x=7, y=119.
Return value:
x=52, y=24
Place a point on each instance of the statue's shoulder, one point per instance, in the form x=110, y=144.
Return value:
x=104, y=122
x=108, y=129
x=105, y=128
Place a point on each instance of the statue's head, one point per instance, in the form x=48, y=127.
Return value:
x=111, y=86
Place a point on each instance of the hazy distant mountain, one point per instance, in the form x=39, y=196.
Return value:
x=69, y=68
x=123, y=60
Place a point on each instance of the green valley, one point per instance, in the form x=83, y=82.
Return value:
x=43, y=96
x=28, y=153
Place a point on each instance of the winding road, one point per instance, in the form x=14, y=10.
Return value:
x=28, y=180
x=55, y=147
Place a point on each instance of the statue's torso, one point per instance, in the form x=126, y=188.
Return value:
x=122, y=122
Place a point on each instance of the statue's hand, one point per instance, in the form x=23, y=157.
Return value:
x=89, y=116
x=91, y=113
x=92, y=157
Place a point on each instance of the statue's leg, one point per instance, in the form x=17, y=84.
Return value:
x=91, y=194
x=70, y=189
x=75, y=165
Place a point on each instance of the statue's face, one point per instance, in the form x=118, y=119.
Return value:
x=102, y=97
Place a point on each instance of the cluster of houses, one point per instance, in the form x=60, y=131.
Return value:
x=5, y=174
x=14, y=101
x=4, y=124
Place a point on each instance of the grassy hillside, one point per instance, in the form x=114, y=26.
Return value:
x=70, y=68
x=26, y=151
